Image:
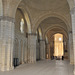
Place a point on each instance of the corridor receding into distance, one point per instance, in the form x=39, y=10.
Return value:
x=37, y=37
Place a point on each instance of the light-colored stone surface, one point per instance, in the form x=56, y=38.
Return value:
x=37, y=51
x=71, y=48
x=32, y=48
x=6, y=44
x=73, y=30
x=48, y=51
x=42, y=49
x=46, y=67
x=50, y=14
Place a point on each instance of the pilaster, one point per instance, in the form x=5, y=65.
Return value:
x=48, y=51
x=19, y=52
x=73, y=31
x=71, y=48
x=25, y=54
x=22, y=54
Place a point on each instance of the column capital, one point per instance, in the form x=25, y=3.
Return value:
x=7, y=18
x=31, y=34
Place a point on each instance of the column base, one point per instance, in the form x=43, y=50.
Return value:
x=7, y=68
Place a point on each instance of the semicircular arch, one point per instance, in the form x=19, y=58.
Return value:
x=47, y=15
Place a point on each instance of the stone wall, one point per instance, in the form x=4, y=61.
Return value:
x=20, y=47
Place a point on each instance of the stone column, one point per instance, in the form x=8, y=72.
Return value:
x=6, y=43
x=25, y=54
x=19, y=52
x=73, y=31
x=37, y=51
x=68, y=49
x=42, y=49
x=22, y=54
x=32, y=48
x=48, y=50
x=66, y=54
x=71, y=48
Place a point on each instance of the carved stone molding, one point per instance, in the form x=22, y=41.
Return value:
x=28, y=34
x=6, y=18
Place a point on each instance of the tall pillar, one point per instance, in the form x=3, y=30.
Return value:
x=42, y=49
x=48, y=51
x=37, y=51
x=32, y=48
x=22, y=54
x=68, y=49
x=73, y=30
x=25, y=53
x=71, y=48
x=6, y=43
x=19, y=52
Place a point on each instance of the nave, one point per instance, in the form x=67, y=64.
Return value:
x=33, y=33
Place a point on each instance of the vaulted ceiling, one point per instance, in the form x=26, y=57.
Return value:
x=53, y=25
x=53, y=5
x=38, y=11
x=52, y=22
x=50, y=25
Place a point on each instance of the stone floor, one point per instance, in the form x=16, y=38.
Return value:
x=46, y=67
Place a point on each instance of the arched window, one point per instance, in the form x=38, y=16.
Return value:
x=22, y=25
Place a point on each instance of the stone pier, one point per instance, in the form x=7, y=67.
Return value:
x=6, y=43
x=32, y=48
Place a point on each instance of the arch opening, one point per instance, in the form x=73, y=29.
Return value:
x=22, y=27
x=51, y=48
x=51, y=26
x=58, y=45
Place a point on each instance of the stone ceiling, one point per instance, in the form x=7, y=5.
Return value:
x=52, y=22
x=47, y=4
x=38, y=8
x=53, y=25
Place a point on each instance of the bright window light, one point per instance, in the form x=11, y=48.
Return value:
x=22, y=26
x=60, y=39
